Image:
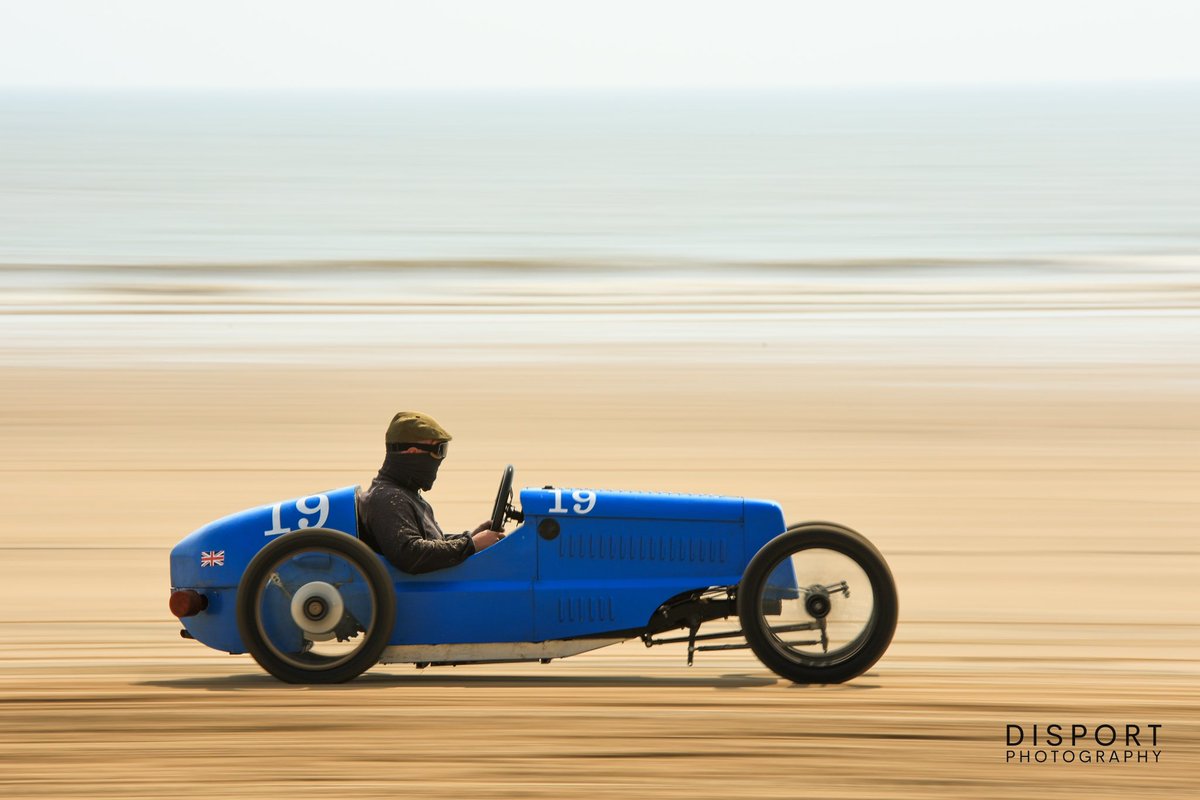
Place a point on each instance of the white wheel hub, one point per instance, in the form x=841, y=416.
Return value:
x=317, y=608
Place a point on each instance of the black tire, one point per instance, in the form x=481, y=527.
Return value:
x=304, y=667
x=856, y=656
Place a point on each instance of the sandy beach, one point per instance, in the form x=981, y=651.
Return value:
x=1028, y=470
x=928, y=271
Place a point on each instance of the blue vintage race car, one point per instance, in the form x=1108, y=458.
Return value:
x=293, y=585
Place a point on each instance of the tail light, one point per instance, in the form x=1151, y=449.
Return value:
x=187, y=603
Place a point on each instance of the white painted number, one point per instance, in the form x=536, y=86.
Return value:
x=276, y=525
x=322, y=510
x=305, y=509
x=585, y=501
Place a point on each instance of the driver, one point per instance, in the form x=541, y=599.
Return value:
x=394, y=518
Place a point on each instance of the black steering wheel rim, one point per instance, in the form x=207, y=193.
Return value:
x=503, y=496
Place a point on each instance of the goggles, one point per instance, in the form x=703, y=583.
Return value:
x=436, y=450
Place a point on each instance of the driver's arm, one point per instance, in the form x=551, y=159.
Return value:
x=397, y=530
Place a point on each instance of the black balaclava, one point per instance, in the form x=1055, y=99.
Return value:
x=411, y=470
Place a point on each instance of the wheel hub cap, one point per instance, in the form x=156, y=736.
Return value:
x=817, y=603
x=317, y=607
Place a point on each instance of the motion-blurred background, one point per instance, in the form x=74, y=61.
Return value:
x=931, y=271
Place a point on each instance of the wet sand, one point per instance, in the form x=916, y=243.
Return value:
x=1039, y=517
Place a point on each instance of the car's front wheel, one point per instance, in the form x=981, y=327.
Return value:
x=818, y=604
x=315, y=606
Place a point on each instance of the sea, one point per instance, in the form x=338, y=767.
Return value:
x=121, y=199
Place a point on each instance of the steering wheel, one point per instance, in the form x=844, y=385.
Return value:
x=502, y=509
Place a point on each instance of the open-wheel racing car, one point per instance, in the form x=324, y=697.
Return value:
x=293, y=585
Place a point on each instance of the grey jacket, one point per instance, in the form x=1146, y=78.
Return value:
x=397, y=522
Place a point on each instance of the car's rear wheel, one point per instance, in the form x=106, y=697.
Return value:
x=818, y=604
x=315, y=606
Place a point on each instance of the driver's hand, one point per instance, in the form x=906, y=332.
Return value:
x=485, y=539
x=483, y=526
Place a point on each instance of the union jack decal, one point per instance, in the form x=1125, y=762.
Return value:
x=212, y=558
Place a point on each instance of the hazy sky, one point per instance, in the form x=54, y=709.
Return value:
x=439, y=44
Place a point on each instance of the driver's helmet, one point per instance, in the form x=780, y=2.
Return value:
x=413, y=426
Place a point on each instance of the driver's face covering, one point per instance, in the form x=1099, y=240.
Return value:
x=414, y=470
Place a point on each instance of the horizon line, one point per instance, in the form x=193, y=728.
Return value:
x=601, y=89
